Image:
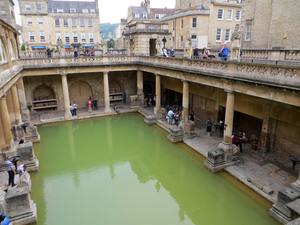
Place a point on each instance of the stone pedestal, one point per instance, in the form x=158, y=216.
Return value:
x=26, y=153
x=19, y=206
x=160, y=113
x=228, y=151
x=2, y=202
x=24, y=181
x=150, y=119
x=30, y=135
x=215, y=160
x=279, y=211
x=176, y=135
x=134, y=102
x=296, y=184
x=188, y=129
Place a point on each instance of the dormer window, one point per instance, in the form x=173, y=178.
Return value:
x=54, y=10
x=136, y=15
x=144, y=15
x=85, y=11
x=72, y=10
x=93, y=11
x=60, y=10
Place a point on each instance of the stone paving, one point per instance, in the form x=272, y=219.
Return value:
x=265, y=173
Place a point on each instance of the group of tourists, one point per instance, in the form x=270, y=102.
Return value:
x=195, y=53
x=151, y=99
x=237, y=139
x=92, y=104
x=73, y=108
x=85, y=52
x=171, y=52
x=223, y=52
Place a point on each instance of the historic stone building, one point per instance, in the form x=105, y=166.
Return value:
x=74, y=22
x=118, y=34
x=7, y=12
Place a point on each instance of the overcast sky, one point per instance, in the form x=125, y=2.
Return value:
x=112, y=11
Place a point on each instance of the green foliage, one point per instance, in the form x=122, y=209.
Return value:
x=53, y=49
x=107, y=29
x=23, y=47
x=110, y=43
x=27, y=49
x=48, y=47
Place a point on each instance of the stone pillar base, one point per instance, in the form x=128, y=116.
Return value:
x=19, y=206
x=176, y=135
x=160, y=112
x=135, y=102
x=24, y=181
x=228, y=151
x=188, y=129
x=26, y=153
x=25, y=114
x=107, y=110
x=215, y=160
x=32, y=134
x=68, y=116
x=150, y=119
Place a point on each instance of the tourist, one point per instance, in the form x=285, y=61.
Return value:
x=92, y=51
x=195, y=53
x=21, y=169
x=208, y=127
x=4, y=219
x=220, y=128
x=172, y=52
x=219, y=52
x=165, y=53
x=95, y=102
x=75, y=52
x=49, y=52
x=154, y=98
x=225, y=52
x=10, y=168
x=90, y=105
x=240, y=137
x=167, y=108
x=22, y=141
x=75, y=108
x=150, y=100
x=205, y=53
x=72, y=109
x=116, y=109
x=192, y=116
x=170, y=116
x=236, y=141
x=176, y=118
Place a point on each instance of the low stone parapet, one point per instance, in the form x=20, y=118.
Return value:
x=175, y=135
x=150, y=119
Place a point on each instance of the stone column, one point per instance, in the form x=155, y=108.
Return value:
x=264, y=137
x=185, y=101
x=5, y=122
x=158, y=96
x=106, y=92
x=140, y=88
x=2, y=137
x=16, y=105
x=229, y=114
x=10, y=106
x=216, y=119
x=65, y=88
x=22, y=98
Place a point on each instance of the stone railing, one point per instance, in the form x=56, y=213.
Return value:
x=268, y=54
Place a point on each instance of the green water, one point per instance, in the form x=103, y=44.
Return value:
x=120, y=171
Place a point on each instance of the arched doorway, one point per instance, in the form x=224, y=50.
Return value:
x=44, y=98
x=80, y=92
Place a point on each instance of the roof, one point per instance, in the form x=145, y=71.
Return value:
x=67, y=5
x=163, y=11
x=140, y=10
x=201, y=6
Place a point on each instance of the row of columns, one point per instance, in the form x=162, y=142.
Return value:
x=12, y=103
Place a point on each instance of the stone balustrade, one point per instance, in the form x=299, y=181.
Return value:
x=268, y=54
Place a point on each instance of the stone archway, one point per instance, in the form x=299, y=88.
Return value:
x=115, y=86
x=43, y=92
x=80, y=92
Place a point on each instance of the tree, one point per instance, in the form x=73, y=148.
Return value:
x=110, y=43
x=23, y=47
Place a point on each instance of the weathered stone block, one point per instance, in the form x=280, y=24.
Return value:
x=228, y=151
x=215, y=160
x=26, y=153
x=24, y=181
x=188, y=129
x=175, y=135
x=150, y=119
x=268, y=190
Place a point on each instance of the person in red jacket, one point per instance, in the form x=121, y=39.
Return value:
x=90, y=105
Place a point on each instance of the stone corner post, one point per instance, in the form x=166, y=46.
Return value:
x=5, y=122
x=65, y=88
x=106, y=92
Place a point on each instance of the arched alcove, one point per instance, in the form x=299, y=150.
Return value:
x=115, y=86
x=80, y=92
x=44, y=98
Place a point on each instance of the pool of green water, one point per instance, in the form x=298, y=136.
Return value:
x=120, y=171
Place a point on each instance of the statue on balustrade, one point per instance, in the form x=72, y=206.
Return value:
x=158, y=47
x=61, y=47
x=104, y=47
x=187, y=45
x=236, y=43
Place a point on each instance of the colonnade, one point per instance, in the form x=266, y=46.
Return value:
x=12, y=103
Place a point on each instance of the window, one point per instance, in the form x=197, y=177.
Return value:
x=67, y=38
x=220, y=14
x=82, y=22
x=248, y=32
x=229, y=14
x=74, y=24
x=85, y=11
x=194, y=23
x=181, y=24
x=38, y=8
x=54, y=10
x=27, y=7
x=156, y=16
x=194, y=40
x=29, y=20
x=91, y=37
x=75, y=38
x=66, y=24
x=42, y=36
x=72, y=10
x=31, y=36
x=2, y=52
x=219, y=35
x=57, y=22
x=93, y=11
x=58, y=35
x=136, y=15
x=227, y=35
x=144, y=15
x=238, y=15
x=240, y=1
x=83, y=38
x=90, y=23
x=173, y=25
x=226, y=0
x=40, y=20
x=181, y=41
x=60, y=10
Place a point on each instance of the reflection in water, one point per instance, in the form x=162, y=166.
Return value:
x=117, y=170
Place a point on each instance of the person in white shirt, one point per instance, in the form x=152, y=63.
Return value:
x=74, y=108
x=21, y=169
x=170, y=116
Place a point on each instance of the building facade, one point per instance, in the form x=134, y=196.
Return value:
x=7, y=12
x=44, y=22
